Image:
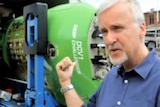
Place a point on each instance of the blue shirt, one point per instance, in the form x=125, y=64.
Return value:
x=138, y=88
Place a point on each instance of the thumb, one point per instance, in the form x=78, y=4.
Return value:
x=73, y=65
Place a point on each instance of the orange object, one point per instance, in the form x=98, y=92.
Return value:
x=10, y=90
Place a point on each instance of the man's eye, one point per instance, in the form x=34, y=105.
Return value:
x=104, y=31
x=117, y=28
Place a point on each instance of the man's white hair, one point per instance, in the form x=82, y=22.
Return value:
x=137, y=13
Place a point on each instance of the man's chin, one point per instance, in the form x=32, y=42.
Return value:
x=118, y=61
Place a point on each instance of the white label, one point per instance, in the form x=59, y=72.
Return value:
x=77, y=48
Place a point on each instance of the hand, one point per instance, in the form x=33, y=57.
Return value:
x=65, y=69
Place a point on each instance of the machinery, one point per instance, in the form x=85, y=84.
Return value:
x=32, y=44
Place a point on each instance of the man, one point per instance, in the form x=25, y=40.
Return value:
x=134, y=81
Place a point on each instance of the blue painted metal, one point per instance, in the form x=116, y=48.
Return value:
x=36, y=95
x=11, y=104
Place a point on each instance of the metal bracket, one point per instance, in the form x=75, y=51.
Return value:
x=35, y=47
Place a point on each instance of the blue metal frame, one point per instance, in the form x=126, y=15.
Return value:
x=36, y=95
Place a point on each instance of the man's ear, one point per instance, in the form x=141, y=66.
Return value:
x=142, y=30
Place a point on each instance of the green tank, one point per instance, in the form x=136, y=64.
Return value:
x=71, y=32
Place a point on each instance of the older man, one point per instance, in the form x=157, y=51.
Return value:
x=134, y=81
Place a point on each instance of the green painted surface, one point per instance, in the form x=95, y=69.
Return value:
x=68, y=28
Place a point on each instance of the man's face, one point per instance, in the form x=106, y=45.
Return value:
x=121, y=35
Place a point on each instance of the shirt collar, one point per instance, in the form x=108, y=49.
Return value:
x=143, y=68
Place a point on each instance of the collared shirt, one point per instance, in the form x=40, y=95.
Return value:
x=138, y=88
